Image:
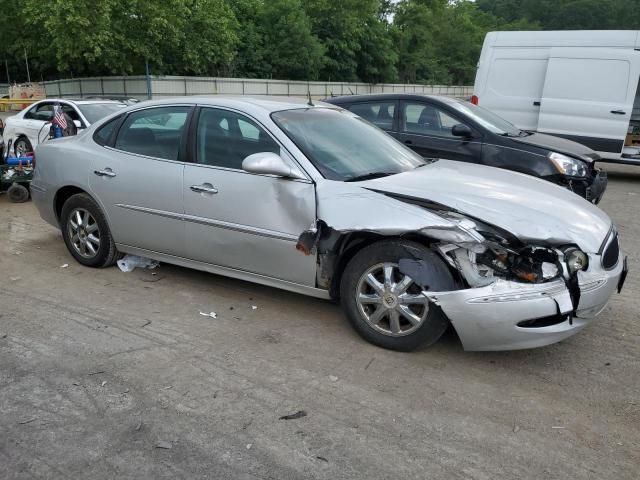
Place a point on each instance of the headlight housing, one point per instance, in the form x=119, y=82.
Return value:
x=576, y=260
x=566, y=165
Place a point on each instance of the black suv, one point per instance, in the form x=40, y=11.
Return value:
x=443, y=127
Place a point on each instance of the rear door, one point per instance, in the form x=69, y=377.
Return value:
x=588, y=96
x=426, y=128
x=138, y=180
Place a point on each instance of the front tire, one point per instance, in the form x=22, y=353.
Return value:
x=386, y=306
x=86, y=233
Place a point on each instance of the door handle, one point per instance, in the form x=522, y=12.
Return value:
x=408, y=142
x=107, y=172
x=536, y=103
x=618, y=112
x=205, y=188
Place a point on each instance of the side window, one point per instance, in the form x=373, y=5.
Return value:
x=69, y=110
x=42, y=112
x=155, y=132
x=378, y=113
x=104, y=133
x=426, y=119
x=225, y=138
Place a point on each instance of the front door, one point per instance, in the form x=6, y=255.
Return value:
x=588, y=96
x=139, y=179
x=426, y=128
x=241, y=220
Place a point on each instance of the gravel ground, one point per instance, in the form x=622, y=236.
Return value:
x=111, y=375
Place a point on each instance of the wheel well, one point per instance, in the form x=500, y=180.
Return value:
x=352, y=244
x=62, y=196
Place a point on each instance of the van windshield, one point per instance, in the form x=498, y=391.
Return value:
x=489, y=120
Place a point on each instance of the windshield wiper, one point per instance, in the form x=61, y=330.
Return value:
x=369, y=176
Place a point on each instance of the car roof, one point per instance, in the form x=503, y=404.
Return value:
x=270, y=103
x=80, y=101
x=345, y=99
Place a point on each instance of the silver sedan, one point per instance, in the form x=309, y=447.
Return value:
x=311, y=198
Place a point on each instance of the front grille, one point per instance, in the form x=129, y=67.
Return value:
x=611, y=253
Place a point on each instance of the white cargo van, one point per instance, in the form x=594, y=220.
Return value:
x=580, y=85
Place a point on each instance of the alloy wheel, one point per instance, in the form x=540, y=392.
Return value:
x=84, y=233
x=390, y=301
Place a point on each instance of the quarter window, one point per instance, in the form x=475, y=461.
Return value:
x=225, y=138
x=426, y=119
x=104, y=133
x=378, y=113
x=155, y=132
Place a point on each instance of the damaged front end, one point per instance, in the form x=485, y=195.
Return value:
x=512, y=294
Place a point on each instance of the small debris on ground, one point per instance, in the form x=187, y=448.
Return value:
x=24, y=422
x=164, y=445
x=322, y=459
x=249, y=445
x=369, y=364
x=131, y=262
x=15, y=279
x=294, y=416
x=607, y=364
x=148, y=322
x=516, y=428
x=558, y=428
x=65, y=265
x=103, y=383
x=253, y=307
x=333, y=378
x=96, y=372
x=210, y=314
x=3, y=335
x=139, y=426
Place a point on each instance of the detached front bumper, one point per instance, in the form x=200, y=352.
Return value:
x=510, y=315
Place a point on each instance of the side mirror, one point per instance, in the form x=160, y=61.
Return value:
x=78, y=124
x=269, y=163
x=461, y=130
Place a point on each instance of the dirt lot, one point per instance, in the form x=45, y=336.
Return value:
x=98, y=369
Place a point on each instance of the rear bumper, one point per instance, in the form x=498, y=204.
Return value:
x=44, y=202
x=495, y=317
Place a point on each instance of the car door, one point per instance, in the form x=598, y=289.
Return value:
x=242, y=220
x=427, y=129
x=137, y=177
x=588, y=96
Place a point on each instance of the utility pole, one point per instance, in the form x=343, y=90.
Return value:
x=6, y=67
x=26, y=61
x=146, y=71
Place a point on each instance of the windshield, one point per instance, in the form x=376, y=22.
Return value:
x=96, y=111
x=488, y=120
x=343, y=146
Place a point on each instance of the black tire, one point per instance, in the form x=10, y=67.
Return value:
x=433, y=323
x=18, y=193
x=106, y=253
x=22, y=144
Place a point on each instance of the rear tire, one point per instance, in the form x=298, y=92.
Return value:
x=18, y=193
x=22, y=147
x=384, y=305
x=86, y=233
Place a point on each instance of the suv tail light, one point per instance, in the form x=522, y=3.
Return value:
x=474, y=99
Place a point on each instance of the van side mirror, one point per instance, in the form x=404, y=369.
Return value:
x=461, y=130
x=269, y=163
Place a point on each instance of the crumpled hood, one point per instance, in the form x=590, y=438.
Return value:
x=560, y=145
x=533, y=210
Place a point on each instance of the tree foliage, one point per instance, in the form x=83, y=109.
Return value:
x=426, y=41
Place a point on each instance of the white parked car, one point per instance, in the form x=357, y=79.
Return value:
x=29, y=128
